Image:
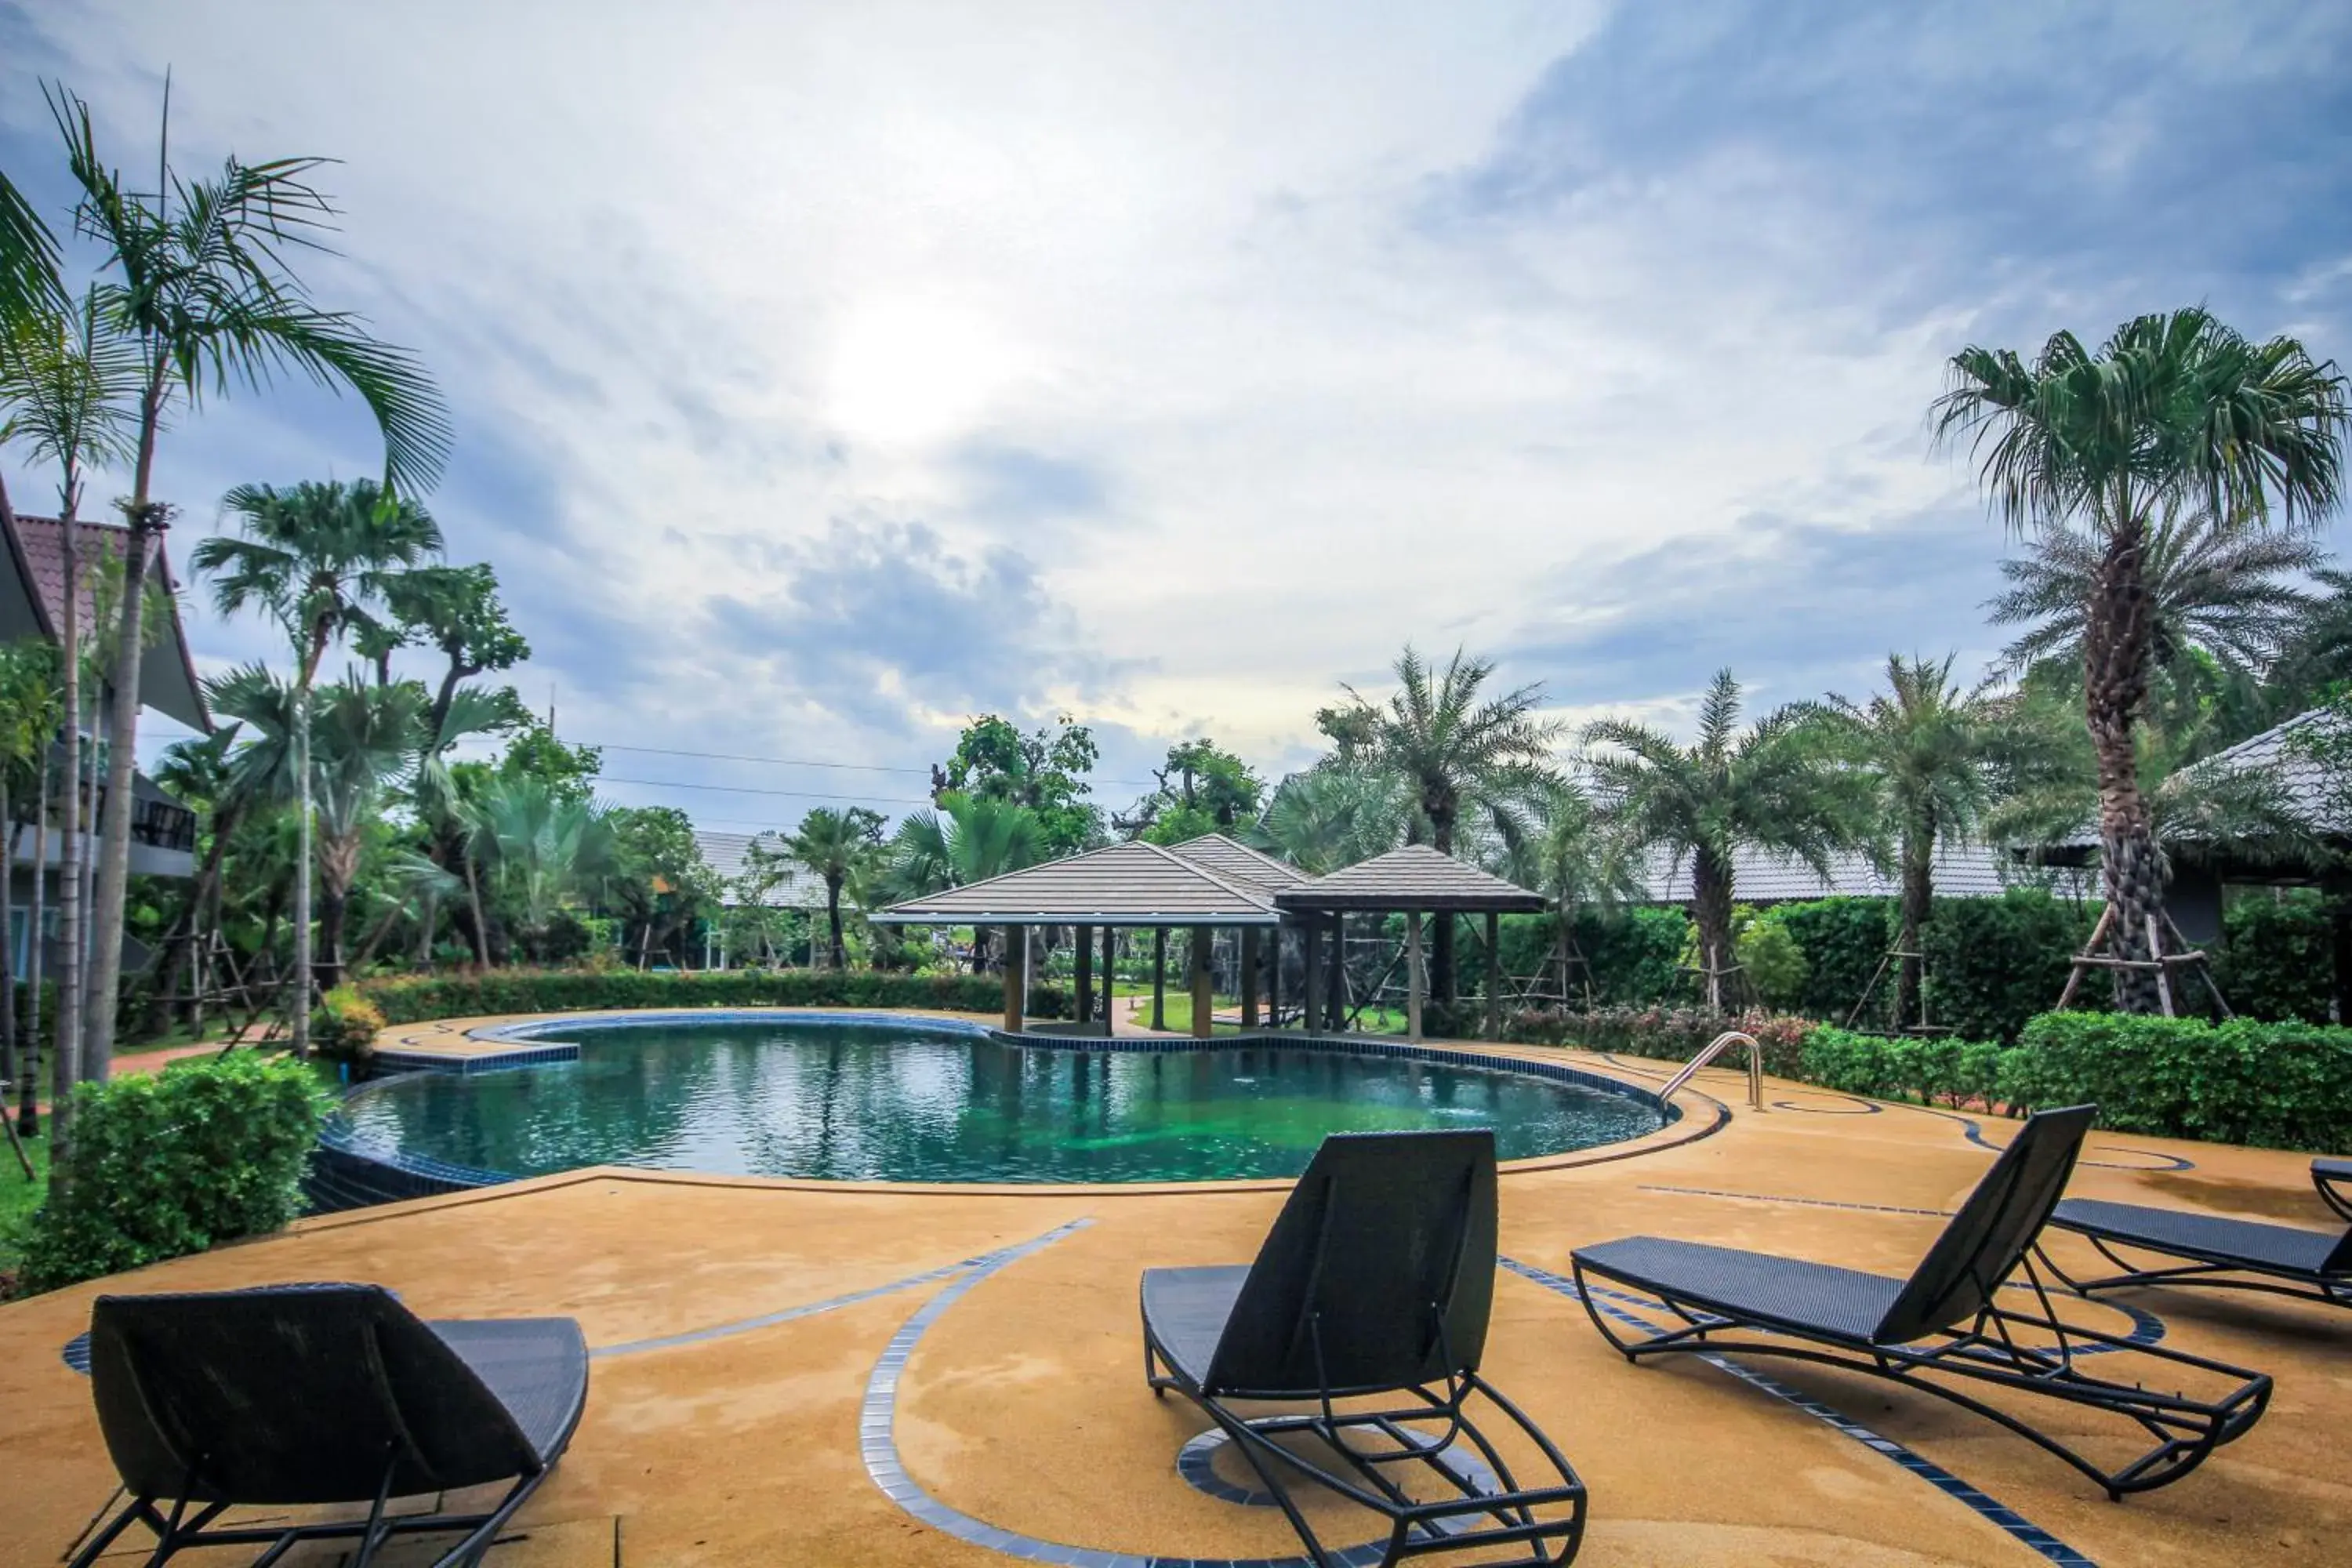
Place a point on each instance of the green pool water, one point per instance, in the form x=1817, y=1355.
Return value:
x=891, y=1100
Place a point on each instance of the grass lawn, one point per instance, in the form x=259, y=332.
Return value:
x=19, y=1199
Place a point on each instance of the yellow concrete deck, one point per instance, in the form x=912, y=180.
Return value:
x=1023, y=1404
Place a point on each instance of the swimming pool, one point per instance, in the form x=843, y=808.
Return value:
x=879, y=1098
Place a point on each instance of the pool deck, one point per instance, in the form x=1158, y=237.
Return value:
x=772, y=1356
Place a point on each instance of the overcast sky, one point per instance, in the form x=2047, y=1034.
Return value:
x=825, y=374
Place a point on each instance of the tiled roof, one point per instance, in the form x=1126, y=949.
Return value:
x=1237, y=862
x=1127, y=884
x=728, y=854
x=1962, y=872
x=1415, y=876
x=167, y=684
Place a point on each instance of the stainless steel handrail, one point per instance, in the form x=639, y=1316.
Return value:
x=1714, y=1049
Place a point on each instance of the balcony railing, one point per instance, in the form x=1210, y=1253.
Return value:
x=160, y=824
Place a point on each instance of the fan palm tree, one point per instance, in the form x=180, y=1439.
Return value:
x=195, y=772
x=1578, y=860
x=1331, y=815
x=543, y=847
x=1939, y=757
x=197, y=277
x=318, y=558
x=2171, y=412
x=967, y=839
x=1776, y=786
x=833, y=846
x=1458, y=757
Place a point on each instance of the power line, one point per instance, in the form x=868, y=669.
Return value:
x=806, y=763
x=740, y=789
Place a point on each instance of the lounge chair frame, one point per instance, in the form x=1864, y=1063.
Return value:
x=1920, y=1346
x=2213, y=1269
x=182, y=1531
x=1365, y=1472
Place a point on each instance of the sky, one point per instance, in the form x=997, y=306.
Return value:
x=824, y=375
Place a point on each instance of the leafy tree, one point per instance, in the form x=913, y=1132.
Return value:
x=455, y=611
x=319, y=559
x=658, y=873
x=2173, y=413
x=1203, y=789
x=1457, y=755
x=835, y=846
x=534, y=751
x=28, y=717
x=1045, y=772
x=196, y=276
x=1776, y=786
x=1332, y=814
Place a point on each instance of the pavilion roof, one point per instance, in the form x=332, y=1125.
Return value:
x=1415, y=876
x=1237, y=862
x=1134, y=884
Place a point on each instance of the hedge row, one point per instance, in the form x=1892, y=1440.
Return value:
x=2283, y=1085
x=413, y=999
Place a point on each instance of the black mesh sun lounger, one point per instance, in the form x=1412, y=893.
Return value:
x=1374, y=1283
x=1941, y=1326
x=299, y=1395
x=2221, y=1253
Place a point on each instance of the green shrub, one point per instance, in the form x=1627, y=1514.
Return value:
x=2277, y=961
x=1843, y=940
x=1993, y=964
x=1673, y=1034
x=345, y=1024
x=1633, y=954
x=1772, y=959
x=411, y=999
x=174, y=1162
x=2271, y=1085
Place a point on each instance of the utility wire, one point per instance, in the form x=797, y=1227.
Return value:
x=740, y=789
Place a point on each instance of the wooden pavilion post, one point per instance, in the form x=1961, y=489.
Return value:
x=1494, y=976
x=1083, y=977
x=1334, y=994
x=1310, y=972
x=1159, y=977
x=1416, y=980
x=1274, y=978
x=1249, y=977
x=1017, y=977
x=1203, y=937
x=1110, y=981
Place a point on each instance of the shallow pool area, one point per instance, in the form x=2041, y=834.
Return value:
x=911, y=1100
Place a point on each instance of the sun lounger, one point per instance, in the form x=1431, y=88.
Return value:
x=2221, y=1253
x=1375, y=1282
x=296, y=1395
x=1943, y=1326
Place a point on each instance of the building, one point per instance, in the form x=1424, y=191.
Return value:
x=1962, y=871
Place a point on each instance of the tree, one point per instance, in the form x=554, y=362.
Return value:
x=1776, y=786
x=29, y=283
x=1577, y=860
x=533, y=752
x=835, y=846
x=1331, y=815
x=29, y=718
x=1457, y=755
x=195, y=772
x=319, y=558
x=658, y=873
x=1045, y=773
x=2172, y=412
x=544, y=849
x=1203, y=789
x=196, y=276
x=966, y=840
x=455, y=611
x=1939, y=757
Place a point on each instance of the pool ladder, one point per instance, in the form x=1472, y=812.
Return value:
x=1728, y=1038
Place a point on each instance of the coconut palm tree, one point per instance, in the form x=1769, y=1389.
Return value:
x=1939, y=757
x=319, y=559
x=1778, y=786
x=835, y=846
x=1458, y=757
x=197, y=277
x=2171, y=412
x=29, y=284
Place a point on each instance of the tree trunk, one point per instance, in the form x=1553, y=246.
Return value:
x=2116, y=638
x=474, y=899
x=65, y=1052
x=1711, y=907
x=114, y=846
x=29, y=1090
x=1160, y=977
x=1443, y=985
x=833, y=921
x=9, y=837
x=299, y=1015
x=1918, y=892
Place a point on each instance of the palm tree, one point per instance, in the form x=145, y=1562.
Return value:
x=2172, y=411
x=27, y=718
x=196, y=277
x=29, y=284
x=1457, y=756
x=1332, y=816
x=1576, y=858
x=1939, y=757
x=968, y=839
x=195, y=772
x=316, y=557
x=543, y=847
x=835, y=846
x=1776, y=787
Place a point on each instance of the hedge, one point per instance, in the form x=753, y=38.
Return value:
x=2277, y=959
x=413, y=999
x=172, y=1163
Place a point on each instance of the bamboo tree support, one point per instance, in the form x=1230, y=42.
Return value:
x=14, y=1141
x=2160, y=962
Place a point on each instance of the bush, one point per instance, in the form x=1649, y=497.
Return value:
x=411, y=999
x=1633, y=953
x=345, y=1026
x=1773, y=960
x=2284, y=1086
x=1843, y=940
x=2277, y=961
x=1994, y=963
x=172, y=1163
x=1673, y=1034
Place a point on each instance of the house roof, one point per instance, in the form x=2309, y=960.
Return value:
x=1136, y=884
x=36, y=555
x=1237, y=862
x=1415, y=876
x=1758, y=876
x=728, y=854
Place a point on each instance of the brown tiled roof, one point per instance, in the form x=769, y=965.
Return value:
x=1962, y=871
x=1237, y=862
x=1415, y=876
x=1134, y=884
x=38, y=548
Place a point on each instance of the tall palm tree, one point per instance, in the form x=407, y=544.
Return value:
x=197, y=277
x=319, y=558
x=1776, y=786
x=1332, y=814
x=29, y=284
x=967, y=839
x=1939, y=757
x=1458, y=756
x=836, y=845
x=2172, y=411
x=195, y=772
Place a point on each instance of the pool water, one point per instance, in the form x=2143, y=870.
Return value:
x=903, y=1100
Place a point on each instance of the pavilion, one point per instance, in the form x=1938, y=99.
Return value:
x=1213, y=883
